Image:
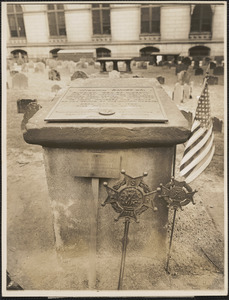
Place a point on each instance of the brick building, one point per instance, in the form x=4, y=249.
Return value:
x=116, y=29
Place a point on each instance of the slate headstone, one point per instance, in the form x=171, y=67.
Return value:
x=55, y=88
x=79, y=74
x=218, y=70
x=178, y=93
x=217, y=124
x=114, y=74
x=212, y=65
x=22, y=104
x=31, y=109
x=213, y=80
x=54, y=75
x=161, y=79
x=20, y=81
x=199, y=71
x=180, y=68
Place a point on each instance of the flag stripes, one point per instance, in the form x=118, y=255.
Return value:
x=200, y=148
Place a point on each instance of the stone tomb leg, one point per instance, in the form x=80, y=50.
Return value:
x=80, y=156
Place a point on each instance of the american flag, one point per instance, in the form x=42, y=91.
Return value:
x=200, y=147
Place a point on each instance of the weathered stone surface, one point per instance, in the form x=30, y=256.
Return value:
x=20, y=81
x=79, y=74
x=54, y=75
x=73, y=200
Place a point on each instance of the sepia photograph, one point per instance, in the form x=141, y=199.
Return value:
x=114, y=149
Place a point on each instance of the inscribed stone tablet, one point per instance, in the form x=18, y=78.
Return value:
x=108, y=104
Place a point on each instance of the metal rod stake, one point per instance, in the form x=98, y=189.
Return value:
x=124, y=246
x=170, y=242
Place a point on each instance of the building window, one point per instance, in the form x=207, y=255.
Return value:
x=15, y=19
x=56, y=19
x=101, y=19
x=201, y=20
x=150, y=18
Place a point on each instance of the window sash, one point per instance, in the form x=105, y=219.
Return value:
x=101, y=19
x=201, y=19
x=150, y=19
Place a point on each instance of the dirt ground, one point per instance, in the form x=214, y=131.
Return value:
x=197, y=257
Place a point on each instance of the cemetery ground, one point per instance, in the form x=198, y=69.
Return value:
x=197, y=256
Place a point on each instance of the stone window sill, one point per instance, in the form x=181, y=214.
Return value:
x=200, y=35
x=101, y=38
x=150, y=37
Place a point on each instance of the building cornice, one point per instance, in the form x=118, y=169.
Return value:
x=113, y=43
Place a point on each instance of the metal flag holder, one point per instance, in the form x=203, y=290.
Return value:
x=129, y=197
x=176, y=194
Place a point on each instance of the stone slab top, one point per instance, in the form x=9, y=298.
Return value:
x=114, y=58
x=109, y=134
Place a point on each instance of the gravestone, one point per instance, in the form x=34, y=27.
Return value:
x=217, y=124
x=161, y=79
x=178, y=93
x=71, y=66
x=96, y=129
x=199, y=71
x=20, y=81
x=181, y=67
x=139, y=64
x=55, y=88
x=79, y=74
x=114, y=74
x=54, y=75
x=212, y=65
x=188, y=116
x=13, y=72
x=52, y=63
x=30, y=64
x=97, y=65
x=59, y=62
x=30, y=111
x=85, y=65
x=218, y=70
x=213, y=80
x=40, y=67
x=23, y=103
x=186, y=92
